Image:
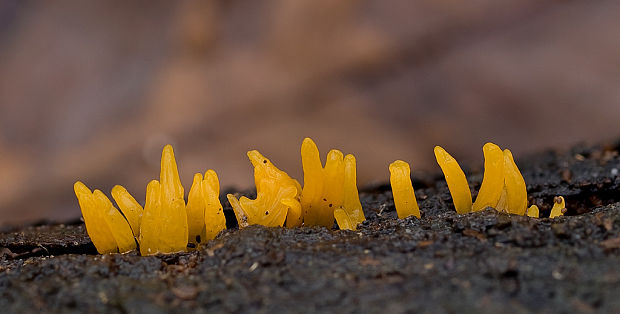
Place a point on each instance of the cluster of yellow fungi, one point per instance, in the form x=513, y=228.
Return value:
x=166, y=224
x=169, y=224
x=503, y=186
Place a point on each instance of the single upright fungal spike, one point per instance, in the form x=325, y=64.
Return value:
x=117, y=225
x=456, y=180
x=130, y=208
x=350, y=214
x=96, y=228
x=402, y=190
x=493, y=180
x=214, y=218
x=151, y=224
x=516, y=191
x=173, y=216
x=195, y=210
x=313, y=183
x=559, y=207
x=276, y=192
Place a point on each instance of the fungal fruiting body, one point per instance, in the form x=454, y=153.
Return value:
x=166, y=229
x=402, y=190
x=276, y=194
x=165, y=225
x=455, y=178
x=205, y=215
x=350, y=214
x=107, y=228
x=326, y=188
x=559, y=207
x=503, y=186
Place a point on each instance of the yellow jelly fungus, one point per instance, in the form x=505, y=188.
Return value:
x=195, y=212
x=129, y=207
x=164, y=223
x=93, y=213
x=323, y=190
x=350, y=214
x=559, y=207
x=455, y=178
x=516, y=191
x=533, y=211
x=276, y=193
x=493, y=179
x=313, y=184
x=205, y=215
x=117, y=225
x=214, y=218
x=402, y=190
x=151, y=224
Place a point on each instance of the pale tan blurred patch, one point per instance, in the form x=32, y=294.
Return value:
x=93, y=90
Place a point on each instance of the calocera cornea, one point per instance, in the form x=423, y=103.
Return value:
x=166, y=224
x=329, y=192
x=503, y=186
x=402, y=190
x=277, y=197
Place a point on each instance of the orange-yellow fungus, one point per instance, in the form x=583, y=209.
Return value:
x=214, y=218
x=117, y=225
x=173, y=216
x=402, y=190
x=276, y=192
x=205, y=215
x=130, y=208
x=516, y=191
x=195, y=210
x=493, y=180
x=151, y=224
x=325, y=188
x=313, y=185
x=559, y=207
x=97, y=230
x=533, y=211
x=456, y=180
x=350, y=214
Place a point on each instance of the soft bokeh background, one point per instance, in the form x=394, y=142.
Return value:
x=91, y=90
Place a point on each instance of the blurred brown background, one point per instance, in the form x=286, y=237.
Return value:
x=92, y=90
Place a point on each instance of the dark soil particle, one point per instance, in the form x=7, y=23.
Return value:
x=442, y=263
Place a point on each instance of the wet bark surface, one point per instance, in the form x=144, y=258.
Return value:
x=444, y=262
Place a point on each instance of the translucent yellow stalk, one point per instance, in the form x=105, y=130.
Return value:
x=116, y=223
x=456, y=180
x=533, y=211
x=214, y=218
x=98, y=231
x=493, y=180
x=195, y=211
x=151, y=224
x=276, y=192
x=516, y=191
x=130, y=208
x=173, y=216
x=559, y=207
x=402, y=190
x=350, y=214
x=313, y=183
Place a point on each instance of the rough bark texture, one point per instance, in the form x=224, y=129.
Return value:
x=444, y=262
